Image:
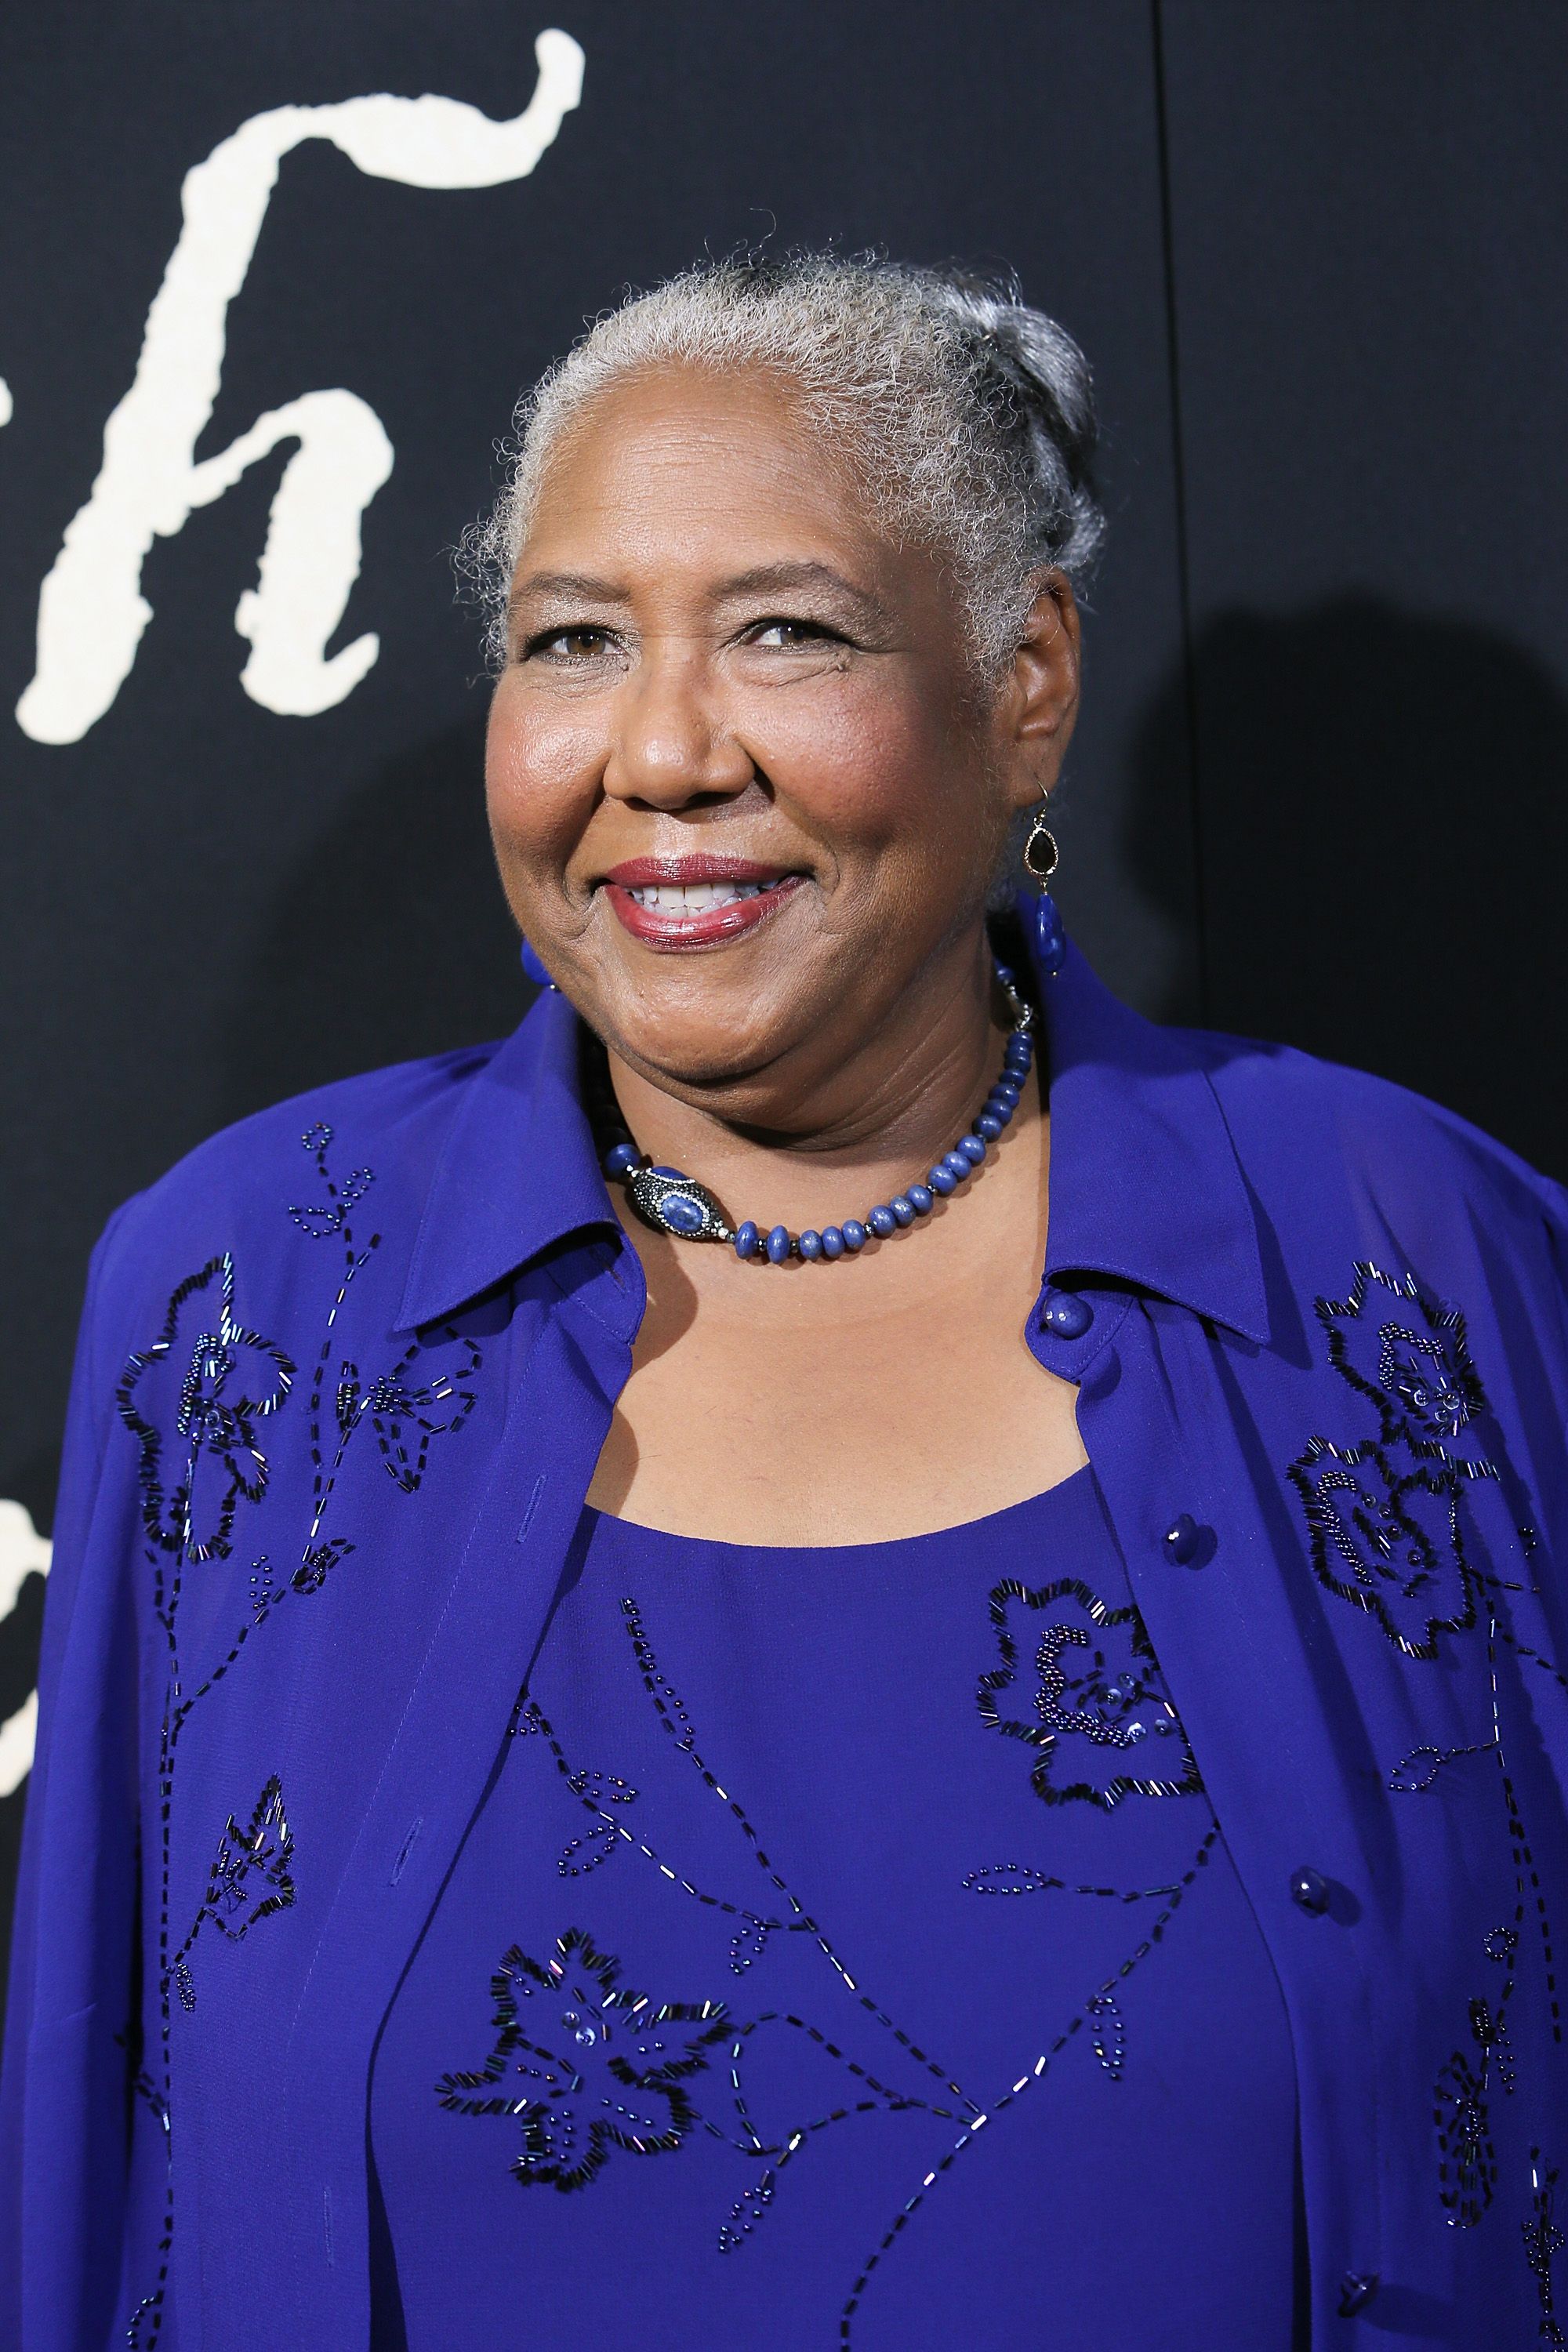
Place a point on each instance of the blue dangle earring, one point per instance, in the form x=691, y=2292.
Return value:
x=1040, y=916
x=533, y=966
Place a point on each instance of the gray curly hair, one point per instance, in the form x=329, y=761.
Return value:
x=969, y=417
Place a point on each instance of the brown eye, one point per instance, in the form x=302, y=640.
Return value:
x=566, y=645
x=787, y=637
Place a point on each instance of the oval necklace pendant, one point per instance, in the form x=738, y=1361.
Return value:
x=676, y=1204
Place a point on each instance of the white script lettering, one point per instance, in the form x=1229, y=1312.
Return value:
x=91, y=610
x=22, y=1553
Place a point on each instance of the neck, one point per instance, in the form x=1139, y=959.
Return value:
x=882, y=1109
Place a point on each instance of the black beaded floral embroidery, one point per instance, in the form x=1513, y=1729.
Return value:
x=229, y=1378
x=1099, y=1688
x=327, y=1216
x=1415, y=1368
x=250, y=1879
x=538, y=2074
x=1542, y=2241
x=1466, y=2161
x=1385, y=1525
x=607, y=2076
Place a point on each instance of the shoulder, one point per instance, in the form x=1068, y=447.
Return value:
x=301, y=1166
x=1332, y=1152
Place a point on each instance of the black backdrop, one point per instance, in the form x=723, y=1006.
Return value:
x=1315, y=250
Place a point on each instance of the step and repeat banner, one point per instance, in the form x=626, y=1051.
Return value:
x=273, y=278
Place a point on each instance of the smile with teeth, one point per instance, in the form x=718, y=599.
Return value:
x=692, y=898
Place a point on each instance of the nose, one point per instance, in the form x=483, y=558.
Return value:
x=672, y=745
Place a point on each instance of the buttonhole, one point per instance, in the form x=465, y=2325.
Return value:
x=407, y=1848
x=532, y=1506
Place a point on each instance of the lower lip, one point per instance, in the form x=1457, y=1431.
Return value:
x=716, y=928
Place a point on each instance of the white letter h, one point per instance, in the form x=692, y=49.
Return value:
x=91, y=610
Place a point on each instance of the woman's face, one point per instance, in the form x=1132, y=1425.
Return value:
x=745, y=799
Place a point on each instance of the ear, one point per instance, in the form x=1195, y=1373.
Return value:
x=1036, y=707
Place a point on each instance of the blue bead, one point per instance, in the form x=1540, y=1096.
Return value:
x=810, y=1243
x=973, y=1147
x=957, y=1165
x=922, y=1199
x=686, y=1215
x=748, y=1240
x=1050, y=939
x=881, y=1219
x=855, y=1234
x=1001, y=1112
x=1180, y=1540
x=621, y=1159
x=903, y=1208
x=832, y=1242
x=1066, y=1315
x=1004, y=974
x=777, y=1245
x=988, y=1125
x=1007, y=1090
x=942, y=1179
x=532, y=965
x=1017, y=1065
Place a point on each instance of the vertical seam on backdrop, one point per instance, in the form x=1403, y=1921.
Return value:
x=1179, y=487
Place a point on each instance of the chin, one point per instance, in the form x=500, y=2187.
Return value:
x=689, y=1057
x=691, y=1039
x=696, y=1020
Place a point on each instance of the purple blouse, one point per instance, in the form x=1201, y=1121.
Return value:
x=844, y=1950
x=343, y=1381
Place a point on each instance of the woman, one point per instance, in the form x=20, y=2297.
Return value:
x=842, y=1650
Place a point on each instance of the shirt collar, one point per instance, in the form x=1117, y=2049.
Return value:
x=518, y=1173
x=1145, y=1183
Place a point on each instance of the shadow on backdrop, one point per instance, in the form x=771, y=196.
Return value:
x=390, y=940
x=1384, y=844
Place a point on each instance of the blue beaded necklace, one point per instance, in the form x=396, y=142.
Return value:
x=673, y=1202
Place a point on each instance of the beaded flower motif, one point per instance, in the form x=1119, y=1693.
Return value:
x=595, y=2072
x=229, y=1378
x=249, y=1880
x=1104, y=1726
x=1383, y=1514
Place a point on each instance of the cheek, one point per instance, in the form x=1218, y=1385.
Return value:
x=540, y=767
x=866, y=768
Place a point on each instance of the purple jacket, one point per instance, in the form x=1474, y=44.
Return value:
x=342, y=1379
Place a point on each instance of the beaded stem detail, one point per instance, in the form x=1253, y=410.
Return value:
x=673, y=1203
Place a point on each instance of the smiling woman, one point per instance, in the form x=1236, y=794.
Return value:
x=724, y=675
x=897, y=1631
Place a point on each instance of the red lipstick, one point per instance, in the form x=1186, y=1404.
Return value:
x=697, y=901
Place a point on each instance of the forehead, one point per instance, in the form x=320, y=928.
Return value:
x=682, y=457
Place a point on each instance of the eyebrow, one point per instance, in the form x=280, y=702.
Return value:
x=778, y=579
x=761, y=579
x=580, y=585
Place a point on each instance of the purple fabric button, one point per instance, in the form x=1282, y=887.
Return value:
x=1066, y=1315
